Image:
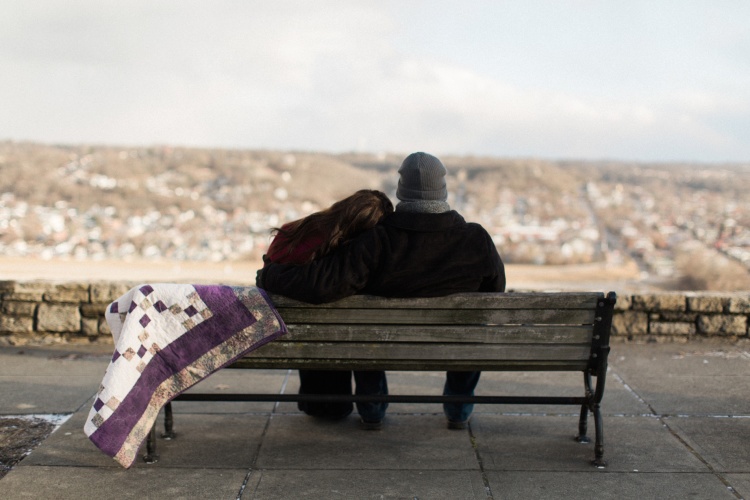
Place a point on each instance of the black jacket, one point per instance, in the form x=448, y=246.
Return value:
x=407, y=255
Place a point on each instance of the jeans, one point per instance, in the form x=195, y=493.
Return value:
x=371, y=383
x=340, y=382
x=459, y=384
x=375, y=382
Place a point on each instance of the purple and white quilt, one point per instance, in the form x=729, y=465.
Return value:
x=167, y=338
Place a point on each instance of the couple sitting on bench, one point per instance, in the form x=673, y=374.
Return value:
x=360, y=245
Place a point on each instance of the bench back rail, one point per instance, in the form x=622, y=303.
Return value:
x=473, y=331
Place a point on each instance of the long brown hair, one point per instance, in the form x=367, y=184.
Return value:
x=338, y=223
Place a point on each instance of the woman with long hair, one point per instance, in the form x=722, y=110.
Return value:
x=304, y=240
x=312, y=237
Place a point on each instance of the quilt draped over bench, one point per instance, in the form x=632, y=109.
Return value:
x=167, y=338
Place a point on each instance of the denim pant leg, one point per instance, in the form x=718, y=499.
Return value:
x=325, y=382
x=459, y=384
x=368, y=383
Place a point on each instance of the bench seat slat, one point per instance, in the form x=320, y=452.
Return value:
x=475, y=300
x=437, y=316
x=462, y=334
x=420, y=351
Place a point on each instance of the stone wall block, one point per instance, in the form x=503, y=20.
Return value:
x=674, y=316
x=717, y=324
x=26, y=291
x=665, y=328
x=707, y=303
x=15, y=308
x=659, y=302
x=7, y=286
x=104, y=328
x=90, y=327
x=739, y=304
x=13, y=324
x=59, y=318
x=93, y=310
x=624, y=303
x=103, y=292
x=630, y=323
x=68, y=293
x=24, y=286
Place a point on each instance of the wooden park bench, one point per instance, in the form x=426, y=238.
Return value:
x=471, y=331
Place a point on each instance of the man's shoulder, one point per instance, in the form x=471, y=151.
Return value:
x=424, y=221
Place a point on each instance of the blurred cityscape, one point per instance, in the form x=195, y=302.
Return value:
x=688, y=224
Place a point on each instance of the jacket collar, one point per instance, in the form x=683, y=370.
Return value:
x=426, y=223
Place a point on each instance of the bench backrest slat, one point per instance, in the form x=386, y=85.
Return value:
x=511, y=334
x=417, y=351
x=477, y=300
x=438, y=316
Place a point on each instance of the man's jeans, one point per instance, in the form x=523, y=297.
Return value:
x=374, y=382
x=459, y=384
x=371, y=383
x=456, y=384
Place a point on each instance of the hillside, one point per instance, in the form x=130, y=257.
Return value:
x=88, y=202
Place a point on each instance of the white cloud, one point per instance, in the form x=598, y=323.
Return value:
x=341, y=75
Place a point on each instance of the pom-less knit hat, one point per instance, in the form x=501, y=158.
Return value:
x=422, y=178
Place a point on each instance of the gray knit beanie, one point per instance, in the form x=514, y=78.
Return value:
x=422, y=178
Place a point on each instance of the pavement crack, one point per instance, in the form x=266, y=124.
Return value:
x=480, y=462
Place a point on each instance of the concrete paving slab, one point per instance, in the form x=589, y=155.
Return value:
x=556, y=485
x=704, y=358
x=693, y=395
x=722, y=442
x=405, y=442
x=405, y=483
x=68, y=446
x=617, y=398
x=21, y=394
x=235, y=382
x=547, y=443
x=75, y=483
x=675, y=379
x=48, y=380
x=54, y=362
x=208, y=441
x=739, y=483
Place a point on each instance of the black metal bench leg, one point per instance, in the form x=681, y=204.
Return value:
x=583, y=426
x=151, y=457
x=583, y=420
x=599, y=444
x=168, y=422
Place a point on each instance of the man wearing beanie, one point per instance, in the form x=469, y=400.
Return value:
x=423, y=249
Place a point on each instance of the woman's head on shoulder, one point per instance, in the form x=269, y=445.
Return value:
x=360, y=211
x=349, y=217
x=327, y=229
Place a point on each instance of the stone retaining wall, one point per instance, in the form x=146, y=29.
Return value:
x=682, y=315
x=34, y=311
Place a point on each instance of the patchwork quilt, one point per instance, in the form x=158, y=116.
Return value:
x=167, y=338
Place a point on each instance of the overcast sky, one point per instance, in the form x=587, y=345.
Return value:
x=645, y=80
